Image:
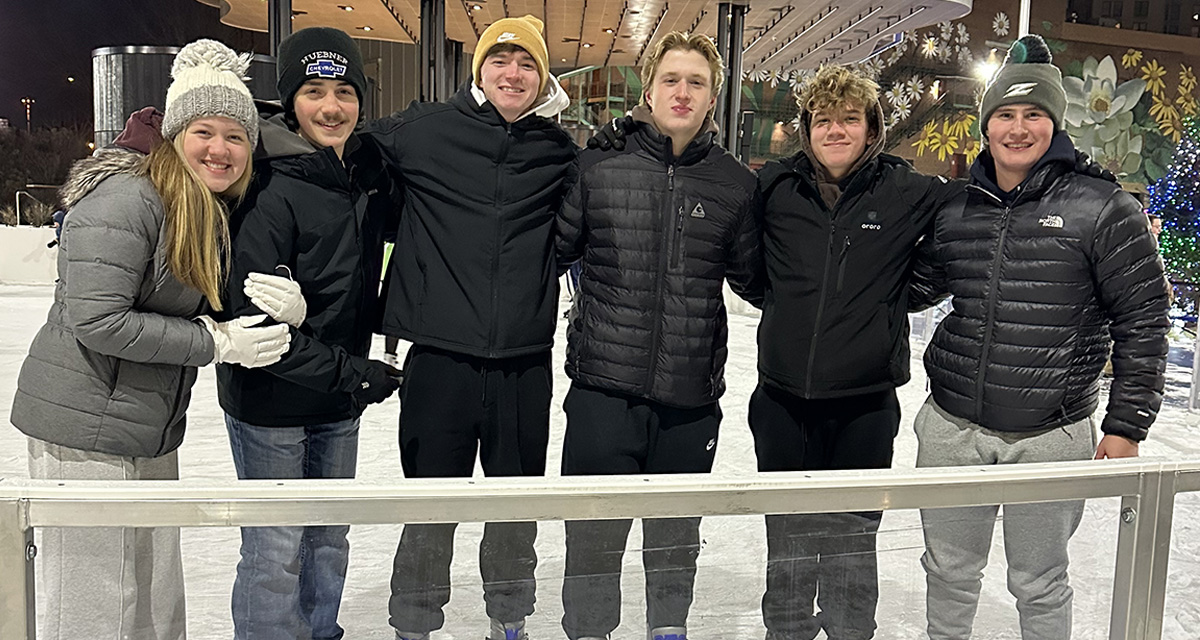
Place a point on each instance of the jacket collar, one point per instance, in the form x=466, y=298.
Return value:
x=284, y=151
x=662, y=148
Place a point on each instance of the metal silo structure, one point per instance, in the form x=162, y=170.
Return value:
x=125, y=79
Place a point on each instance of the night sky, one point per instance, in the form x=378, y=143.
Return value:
x=42, y=42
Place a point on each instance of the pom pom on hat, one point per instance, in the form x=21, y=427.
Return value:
x=208, y=79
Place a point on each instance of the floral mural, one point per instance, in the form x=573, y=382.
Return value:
x=1099, y=115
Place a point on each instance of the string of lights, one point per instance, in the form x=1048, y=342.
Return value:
x=1176, y=199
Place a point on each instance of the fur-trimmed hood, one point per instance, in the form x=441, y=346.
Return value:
x=88, y=173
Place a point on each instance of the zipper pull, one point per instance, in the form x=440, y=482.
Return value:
x=845, y=248
x=679, y=226
x=671, y=178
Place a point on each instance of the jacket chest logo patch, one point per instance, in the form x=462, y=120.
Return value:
x=872, y=223
x=698, y=211
x=1052, y=221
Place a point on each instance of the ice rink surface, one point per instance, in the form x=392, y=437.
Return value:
x=730, y=578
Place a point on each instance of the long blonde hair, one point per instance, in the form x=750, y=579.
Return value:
x=196, y=218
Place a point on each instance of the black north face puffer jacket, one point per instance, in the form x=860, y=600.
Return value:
x=1041, y=278
x=658, y=235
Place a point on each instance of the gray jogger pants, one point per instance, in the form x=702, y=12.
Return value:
x=957, y=540
x=108, y=583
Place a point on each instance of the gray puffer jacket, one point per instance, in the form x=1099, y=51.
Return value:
x=112, y=369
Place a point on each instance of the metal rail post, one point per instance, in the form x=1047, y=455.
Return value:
x=279, y=23
x=733, y=88
x=1143, y=550
x=18, y=614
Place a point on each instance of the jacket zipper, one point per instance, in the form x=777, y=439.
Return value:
x=842, y=264
x=495, y=275
x=812, y=349
x=989, y=319
x=677, y=251
x=658, y=289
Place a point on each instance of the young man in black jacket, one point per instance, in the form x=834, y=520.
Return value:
x=473, y=284
x=657, y=228
x=316, y=213
x=1045, y=266
x=840, y=227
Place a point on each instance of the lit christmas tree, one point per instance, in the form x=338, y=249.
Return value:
x=1176, y=199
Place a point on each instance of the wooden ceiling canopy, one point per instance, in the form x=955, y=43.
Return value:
x=780, y=35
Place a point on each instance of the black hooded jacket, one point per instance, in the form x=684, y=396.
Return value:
x=834, y=320
x=474, y=269
x=326, y=222
x=658, y=235
x=1041, y=278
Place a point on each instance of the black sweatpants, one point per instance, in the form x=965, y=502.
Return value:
x=452, y=406
x=829, y=557
x=610, y=433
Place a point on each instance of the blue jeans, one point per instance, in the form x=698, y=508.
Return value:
x=289, y=581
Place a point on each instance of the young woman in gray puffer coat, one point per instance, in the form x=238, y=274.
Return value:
x=103, y=392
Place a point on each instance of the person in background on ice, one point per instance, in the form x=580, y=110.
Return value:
x=104, y=391
x=1045, y=265
x=316, y=214
x=473, y=286
x=657, y=228
x=840, y=227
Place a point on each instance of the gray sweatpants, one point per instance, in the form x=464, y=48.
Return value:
x=957, y=540
x=108, y=583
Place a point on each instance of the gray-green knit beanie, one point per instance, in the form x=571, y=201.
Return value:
x=1028, y=76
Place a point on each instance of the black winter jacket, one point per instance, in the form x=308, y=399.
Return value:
x=326, y=222
x=1041, y=277
x=658, y=235
x=474, y=268
x=834, y=321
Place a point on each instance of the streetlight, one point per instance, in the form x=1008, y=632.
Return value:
x=28, y=102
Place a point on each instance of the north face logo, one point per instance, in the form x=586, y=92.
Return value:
x=1020, y=89
x=1052, y=221
x=698, y=211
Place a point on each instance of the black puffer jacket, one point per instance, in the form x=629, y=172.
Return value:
x=834, y=318
x=658, y=235
x=326, y=222
x=1041, y=277
x=474, y=268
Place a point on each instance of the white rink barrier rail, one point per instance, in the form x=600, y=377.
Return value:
x=1147, y=489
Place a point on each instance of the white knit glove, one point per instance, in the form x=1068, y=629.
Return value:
x=278, y=296
x=240, y=342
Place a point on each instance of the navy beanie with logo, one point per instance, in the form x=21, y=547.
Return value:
x=318, y=52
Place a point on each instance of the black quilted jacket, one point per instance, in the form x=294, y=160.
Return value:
x=1042, y=277
x=657, y=236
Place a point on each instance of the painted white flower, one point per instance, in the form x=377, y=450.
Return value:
x=902, y=111
x=944, y=53
x=947, y=30
x=1001, y=24
x=965, y=57
x=897, y=95
x=1100, y=112
x=963, y=36
x=915, y=87
x=929, y=46
x=892, y=120
x=758, y=75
